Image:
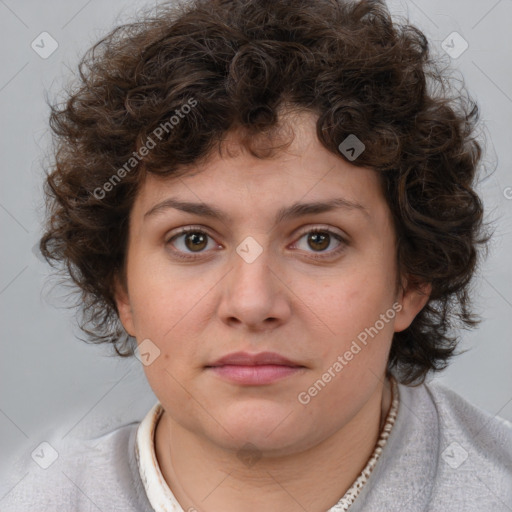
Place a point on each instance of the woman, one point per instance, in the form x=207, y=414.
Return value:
x=271, y=203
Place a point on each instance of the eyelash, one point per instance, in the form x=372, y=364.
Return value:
x=197, y=229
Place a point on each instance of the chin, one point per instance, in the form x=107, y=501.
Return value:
x=269, y=428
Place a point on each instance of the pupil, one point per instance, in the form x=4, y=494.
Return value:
x=318, y=238
x=196, y=240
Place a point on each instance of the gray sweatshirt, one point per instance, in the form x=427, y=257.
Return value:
x=443, y=454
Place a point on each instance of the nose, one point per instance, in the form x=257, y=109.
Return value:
x=254, y=294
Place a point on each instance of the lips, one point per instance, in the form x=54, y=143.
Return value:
x=260, y=359
x=244, y=369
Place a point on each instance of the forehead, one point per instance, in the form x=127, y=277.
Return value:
x=300, y=170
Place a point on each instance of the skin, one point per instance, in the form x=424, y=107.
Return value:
x=286, y=301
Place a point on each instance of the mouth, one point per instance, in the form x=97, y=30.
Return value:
x=254, y=369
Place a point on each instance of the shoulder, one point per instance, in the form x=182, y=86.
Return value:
x=474, y=449
x=75, y=474
x=459, y=417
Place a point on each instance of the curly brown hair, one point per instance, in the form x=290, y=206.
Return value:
x=360, y=71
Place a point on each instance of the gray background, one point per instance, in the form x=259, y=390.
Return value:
x=51, y=383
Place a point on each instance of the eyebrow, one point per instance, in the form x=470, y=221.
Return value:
x=289, y=212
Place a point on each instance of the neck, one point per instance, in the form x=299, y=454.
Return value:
x=206, y=478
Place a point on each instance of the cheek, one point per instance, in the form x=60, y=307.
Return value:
x=166, y=310
x=356, y=300
x=351, y=308
x=161, y=297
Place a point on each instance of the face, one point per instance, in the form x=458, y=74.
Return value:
x=310, y=292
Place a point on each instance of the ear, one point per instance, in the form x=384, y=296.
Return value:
x=124, y=308
x=412, y=297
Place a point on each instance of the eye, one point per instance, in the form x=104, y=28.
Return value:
x=190, y=240
x=320, y=239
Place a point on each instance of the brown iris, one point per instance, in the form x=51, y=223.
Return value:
x=319, y=239
x=196, y=240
